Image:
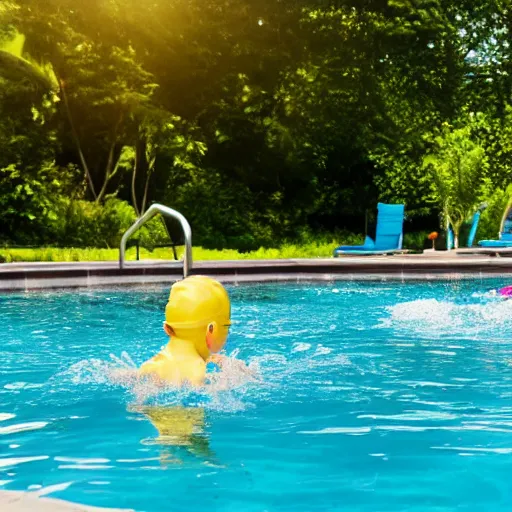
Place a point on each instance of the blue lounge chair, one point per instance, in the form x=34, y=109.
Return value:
x=505, y=237
x=474, y=224
x=388, y=237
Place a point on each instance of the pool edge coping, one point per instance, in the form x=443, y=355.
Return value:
x=46, y=276
x=14, y=501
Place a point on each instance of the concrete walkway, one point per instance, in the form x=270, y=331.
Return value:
x=14, y=501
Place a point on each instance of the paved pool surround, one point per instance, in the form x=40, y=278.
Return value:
x=15, y=501
x=438, y=265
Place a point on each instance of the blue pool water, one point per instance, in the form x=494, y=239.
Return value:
x=376, y=397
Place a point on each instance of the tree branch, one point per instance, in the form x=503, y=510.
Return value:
x=110, y=161
x=76, y=139
x=134, y=175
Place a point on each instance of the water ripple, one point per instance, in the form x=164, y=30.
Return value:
x=22, y=427
x=14, y=461
x=373, y=396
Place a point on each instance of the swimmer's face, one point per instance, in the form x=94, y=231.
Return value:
x=217, y=334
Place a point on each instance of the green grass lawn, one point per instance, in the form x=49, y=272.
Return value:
x=313, y=249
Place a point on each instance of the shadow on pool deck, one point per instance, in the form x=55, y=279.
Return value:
x=429, y=265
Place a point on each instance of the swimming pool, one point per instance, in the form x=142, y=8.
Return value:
x=376, y=396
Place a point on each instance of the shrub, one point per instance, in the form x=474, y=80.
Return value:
x=152, y=233
x=90, y=224
x=221, y=214
x=417, y=241
x=31, y=202
x=457, y=166
x=490, y=221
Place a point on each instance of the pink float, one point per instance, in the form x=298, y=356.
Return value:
x=506, y=291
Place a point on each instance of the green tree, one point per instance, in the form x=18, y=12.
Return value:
x=294, y=113
x=457, y=166
x=33, y=187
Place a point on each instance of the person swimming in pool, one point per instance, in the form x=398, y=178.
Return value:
x=197, y=321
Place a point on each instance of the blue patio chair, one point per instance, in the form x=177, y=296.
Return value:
x=505, y=236
x=388, y=237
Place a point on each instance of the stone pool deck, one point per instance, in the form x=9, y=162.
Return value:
x=14, y=501
x=438, y=265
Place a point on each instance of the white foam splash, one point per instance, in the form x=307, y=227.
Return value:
x=124, y=361
x=322, y=351
x=88, y=371
x=223, y=391
x=438, y=317
x=301, y=347
x=423, y=310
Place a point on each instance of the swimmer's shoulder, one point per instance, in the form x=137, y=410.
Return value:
x=156, y=365
x=195, y=372
x=168, y=369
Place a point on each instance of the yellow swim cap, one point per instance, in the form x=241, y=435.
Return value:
x=199, y=311
x=196, y=301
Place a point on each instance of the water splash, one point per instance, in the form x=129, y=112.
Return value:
x=124, y=361
x=437, y=317
x=223, y=391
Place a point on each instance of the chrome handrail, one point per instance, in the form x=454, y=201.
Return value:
x=151, y=212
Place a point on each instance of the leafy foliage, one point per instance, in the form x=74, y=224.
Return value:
x=490, y=220
x=258, y=120
x=457, y=168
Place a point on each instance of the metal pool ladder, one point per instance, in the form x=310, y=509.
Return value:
x=164, y=210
